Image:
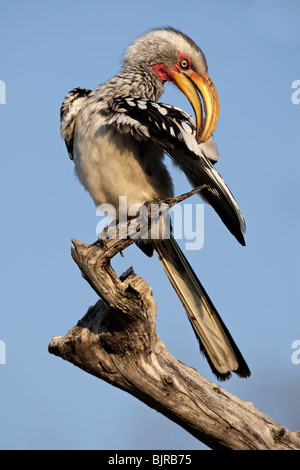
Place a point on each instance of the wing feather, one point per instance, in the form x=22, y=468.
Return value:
x=173, y=131
x=69, y=110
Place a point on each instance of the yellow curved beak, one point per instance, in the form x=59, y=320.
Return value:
x=190, y=83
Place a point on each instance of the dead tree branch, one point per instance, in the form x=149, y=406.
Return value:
x=116, y=341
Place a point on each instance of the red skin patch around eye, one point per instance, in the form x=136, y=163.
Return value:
x=163, y=72
x=183, y=56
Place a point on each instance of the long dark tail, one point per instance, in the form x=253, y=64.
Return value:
x=215, y=340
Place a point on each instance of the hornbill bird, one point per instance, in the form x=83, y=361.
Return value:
x=117, y=135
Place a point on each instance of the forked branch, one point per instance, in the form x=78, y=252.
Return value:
x=116, y=341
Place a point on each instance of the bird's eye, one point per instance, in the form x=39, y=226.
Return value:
x=184, y=64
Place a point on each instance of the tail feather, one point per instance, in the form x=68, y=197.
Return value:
x=215, y=340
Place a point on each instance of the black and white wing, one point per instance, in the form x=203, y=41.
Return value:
x=173, y=131
x=69, y=110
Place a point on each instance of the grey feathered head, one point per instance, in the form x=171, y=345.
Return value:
x=170, y=55
x=163, y=45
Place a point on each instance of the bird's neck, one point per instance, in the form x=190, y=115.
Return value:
x=132, y=82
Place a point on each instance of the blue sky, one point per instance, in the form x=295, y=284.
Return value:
x=48, y=48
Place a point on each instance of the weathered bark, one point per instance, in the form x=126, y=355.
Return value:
x=117, y=341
